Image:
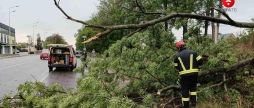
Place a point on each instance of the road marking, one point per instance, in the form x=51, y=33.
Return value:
x=45, y=77
x=16, y=65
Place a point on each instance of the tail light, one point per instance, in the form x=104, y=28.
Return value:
x=71, y=59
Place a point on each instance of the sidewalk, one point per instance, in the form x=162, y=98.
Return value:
x=14, y=55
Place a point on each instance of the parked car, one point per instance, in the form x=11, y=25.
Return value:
x=78, y=53
x=44, y=54
x=62, y=56
x=17, y=51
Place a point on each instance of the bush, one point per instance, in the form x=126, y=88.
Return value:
x=31, y=52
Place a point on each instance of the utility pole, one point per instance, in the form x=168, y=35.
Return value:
x=34, y=24
x=10, y=25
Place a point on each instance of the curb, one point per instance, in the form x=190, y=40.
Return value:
x=16, y=56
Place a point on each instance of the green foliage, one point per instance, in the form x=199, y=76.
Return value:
x=39, y=44
x=31, y=52
x=140, y=65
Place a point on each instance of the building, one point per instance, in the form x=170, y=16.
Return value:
x=7, y=45
x=226, y=36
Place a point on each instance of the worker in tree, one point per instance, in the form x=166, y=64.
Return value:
x=187, y=62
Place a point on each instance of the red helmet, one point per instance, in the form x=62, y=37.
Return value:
x=180, y=44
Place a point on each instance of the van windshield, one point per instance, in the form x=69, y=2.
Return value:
x=60, y=50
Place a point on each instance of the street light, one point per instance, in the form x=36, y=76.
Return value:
x=84, y=40
x=34, y=24
x=10, y=24
x=45, y=31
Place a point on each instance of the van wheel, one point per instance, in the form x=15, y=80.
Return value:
x=50, y=68
x=71, y=68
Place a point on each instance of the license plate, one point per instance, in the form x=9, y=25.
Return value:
x=45, y=54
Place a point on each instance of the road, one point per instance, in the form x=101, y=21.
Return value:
x=17, y=70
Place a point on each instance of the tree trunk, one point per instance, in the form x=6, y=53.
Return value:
x=213, y=26
x=218, y=24
x=206, y=22
x=185, y=29
x=165, y=4
x=233, y=67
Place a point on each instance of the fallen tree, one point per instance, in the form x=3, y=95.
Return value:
x=240, y=64
x=109, y=29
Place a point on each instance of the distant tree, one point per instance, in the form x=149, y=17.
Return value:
x=55, y=39
x=39, y=44
x=23, y=46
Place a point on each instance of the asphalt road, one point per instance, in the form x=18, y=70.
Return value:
x=17, y=70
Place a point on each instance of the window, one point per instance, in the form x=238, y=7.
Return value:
x=73, y=51
x=4, y=38
x=5, y=31
x=8, y=40
x=1, y=36
x=13, y=34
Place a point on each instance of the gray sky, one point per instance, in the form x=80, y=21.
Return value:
x=49, y=17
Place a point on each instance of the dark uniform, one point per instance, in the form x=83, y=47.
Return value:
x=187, y=62
x=85, y=55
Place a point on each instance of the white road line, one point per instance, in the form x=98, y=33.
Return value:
x=45, y=77
x=16, y=65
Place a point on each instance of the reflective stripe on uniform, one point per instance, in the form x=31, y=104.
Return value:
x=185, y=99
x=193, y=93
x=181, y=62
x=191, y=61
x=175, y=64
x=188, y=71
x=198, y=58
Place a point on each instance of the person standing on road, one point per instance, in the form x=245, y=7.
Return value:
x=93, y=55
x=187, y=62
x=85, y=55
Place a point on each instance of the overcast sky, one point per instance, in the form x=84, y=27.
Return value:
x=49, y=17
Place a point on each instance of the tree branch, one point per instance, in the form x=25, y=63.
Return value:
x=156, y=13
x=132, y=33
x=75, y=20
x=140, y=7
x=224, y=14
x=235, y=66
x=98, y=35
x=215, y=85
x=155, y=21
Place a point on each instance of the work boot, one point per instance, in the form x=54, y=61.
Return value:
x=193, y=105
x=186, y=104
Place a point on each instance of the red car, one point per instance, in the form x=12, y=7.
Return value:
x=44, y=54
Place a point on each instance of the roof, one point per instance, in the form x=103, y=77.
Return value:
x=2, y=25
x=223, y=36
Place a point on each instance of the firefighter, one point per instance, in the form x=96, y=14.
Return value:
x=187, y=62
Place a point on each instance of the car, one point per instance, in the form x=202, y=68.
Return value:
x=17, y=51
x=78, y=53
x=44, y=54
x=61, y=56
